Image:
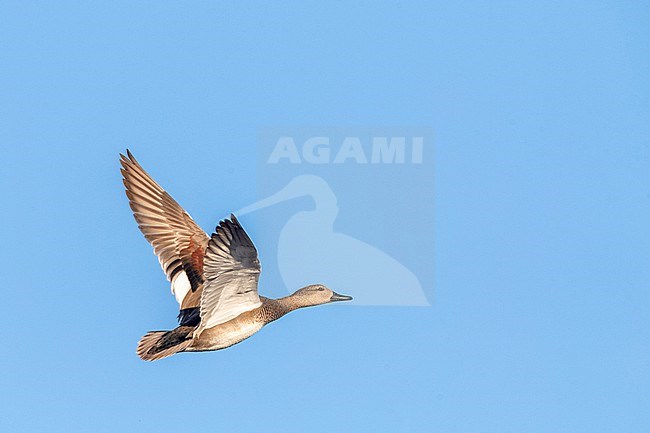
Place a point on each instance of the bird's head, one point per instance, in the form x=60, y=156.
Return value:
x=317, y=294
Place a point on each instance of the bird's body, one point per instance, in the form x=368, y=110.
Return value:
x=230, y=333
x=241, y=327
x=214, y=278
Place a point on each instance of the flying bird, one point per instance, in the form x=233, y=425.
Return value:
x=214, y=278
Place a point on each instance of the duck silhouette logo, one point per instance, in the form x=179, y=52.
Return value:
x=308, y=245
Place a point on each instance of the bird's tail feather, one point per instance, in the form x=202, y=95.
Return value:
x=156, y=345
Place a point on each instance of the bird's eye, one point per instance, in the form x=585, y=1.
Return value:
x=320, y=289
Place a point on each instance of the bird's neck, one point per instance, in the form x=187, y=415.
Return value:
x=273, y=309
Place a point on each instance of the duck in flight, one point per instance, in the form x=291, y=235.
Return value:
x=214, y=278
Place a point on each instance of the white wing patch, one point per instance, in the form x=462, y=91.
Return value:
x=180, y=286
x=218, y=319
x=229, y=307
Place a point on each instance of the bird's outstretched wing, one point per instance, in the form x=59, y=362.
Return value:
x=177, y=240
x=231, y=271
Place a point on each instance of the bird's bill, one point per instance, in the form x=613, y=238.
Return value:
x=336, y=297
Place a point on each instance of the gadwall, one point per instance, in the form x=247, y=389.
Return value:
x=214, y=278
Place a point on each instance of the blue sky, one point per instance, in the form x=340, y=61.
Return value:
x=539, y=112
